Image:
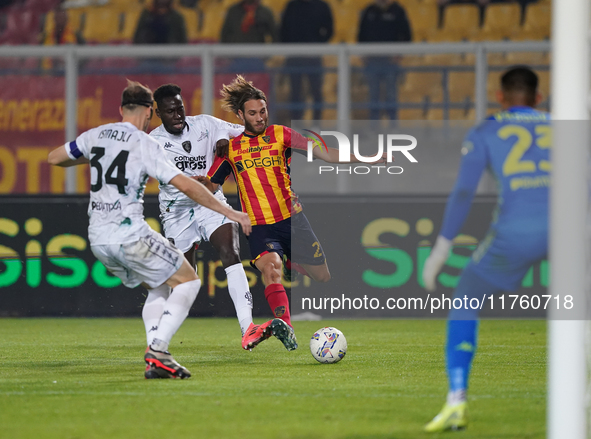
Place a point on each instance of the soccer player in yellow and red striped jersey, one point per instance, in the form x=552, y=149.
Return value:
x=259, y=159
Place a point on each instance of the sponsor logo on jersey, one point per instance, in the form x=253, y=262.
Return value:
x=107, y=207
x=187, y=146
x=253, y=149
x=168, y=145
x=190, y=163
x=260, y=162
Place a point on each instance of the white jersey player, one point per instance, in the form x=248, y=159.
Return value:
x=189, y=143
x=122, y=157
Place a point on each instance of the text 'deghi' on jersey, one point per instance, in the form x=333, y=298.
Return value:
x=122, y=158
x=261, y=167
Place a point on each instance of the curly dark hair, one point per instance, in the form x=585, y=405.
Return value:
x=166, y=91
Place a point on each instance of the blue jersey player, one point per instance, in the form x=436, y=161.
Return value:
x=514, y=146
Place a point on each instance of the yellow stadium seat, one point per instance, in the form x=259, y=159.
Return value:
x=493, y=84
x=130, y=21
x=126, y=4
x=528, y=58
x=461, y=86
x=423, y=18
x=501, y=21
x=191, y=17
x=460, y=114
x=537, y=22
x=346, y=24
x=544, y=83
x=411, y=114
x=418, y=85
x=460, y=22
x=443, y=59
x=103, y=24
x=214, y=15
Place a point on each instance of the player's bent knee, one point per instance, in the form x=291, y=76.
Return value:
x=323, y=277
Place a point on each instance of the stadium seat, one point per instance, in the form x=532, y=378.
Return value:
x=103, y=25
x=460, y=22
x=346, y=23
x=192, y=24
x=501, y=21
x=461, y=86
x=492, y=85
x=420, y=85
x=528, y=58
x=411, y=114
x=213, y=16
x=537, y=22
x=131, y=17
x=423, y=18
x=443, y=59
x=127, y=4
x=544, y=83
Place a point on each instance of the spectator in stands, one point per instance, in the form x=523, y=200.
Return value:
x=482, y=4
x=306, y=21
x=161, y=24
x=383, y=21
x=249, y=22
x=58, y=30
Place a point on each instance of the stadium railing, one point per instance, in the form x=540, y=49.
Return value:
x=207, y=54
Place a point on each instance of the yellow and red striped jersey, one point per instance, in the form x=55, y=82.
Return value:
x=261, y=167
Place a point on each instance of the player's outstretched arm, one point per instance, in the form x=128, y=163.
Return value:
x=59, y=157
x=200, y=194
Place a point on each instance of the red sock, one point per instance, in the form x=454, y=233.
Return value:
x=277, y=299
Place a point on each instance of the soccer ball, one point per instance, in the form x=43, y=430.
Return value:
x=328, y=345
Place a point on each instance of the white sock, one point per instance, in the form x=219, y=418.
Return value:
x=456, y=397
x=152, y=310
x=240, y=294
x=175, y=312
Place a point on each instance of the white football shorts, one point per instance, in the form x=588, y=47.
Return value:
x=188, y=225
x=151, y=260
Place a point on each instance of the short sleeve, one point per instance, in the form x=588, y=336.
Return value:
x=223, y=129
x=293, y=139
x=155, y=161
x=79, y=147
x=220, y=170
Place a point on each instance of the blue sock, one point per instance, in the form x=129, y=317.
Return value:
x=462, y=329
x=460, y=349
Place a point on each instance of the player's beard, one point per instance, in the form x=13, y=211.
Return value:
x=252, y=129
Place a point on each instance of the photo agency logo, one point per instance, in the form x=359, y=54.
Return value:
x=389, y=143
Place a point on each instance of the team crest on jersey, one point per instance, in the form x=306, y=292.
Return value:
x=187, y=146
x=267, y=139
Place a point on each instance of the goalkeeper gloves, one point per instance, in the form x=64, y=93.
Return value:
x=435, y=262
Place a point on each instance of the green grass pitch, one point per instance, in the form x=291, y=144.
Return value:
x=83, y=379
